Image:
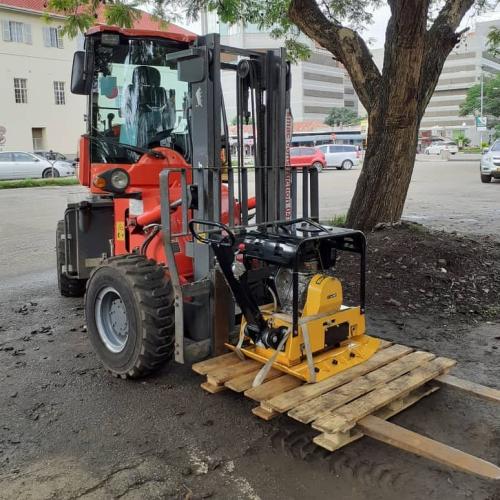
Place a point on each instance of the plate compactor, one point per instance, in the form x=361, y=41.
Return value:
x=305, y=330
x=166, y=175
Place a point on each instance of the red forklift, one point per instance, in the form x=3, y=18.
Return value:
x=183, y=249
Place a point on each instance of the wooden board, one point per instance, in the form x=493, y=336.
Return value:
x=244, y=382
x=333, y=442
x=272, y=388
x=264, y=414
x=203, y=367
x=346, y=417
x=290, y=399
x=405, y=439
x=316, y=408
x=471, y=387
x=212, y=389
x=225, y=373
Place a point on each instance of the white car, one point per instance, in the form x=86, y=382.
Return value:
x=490, y=163
x=436, y=147
x=22, y=165
x=340, y=156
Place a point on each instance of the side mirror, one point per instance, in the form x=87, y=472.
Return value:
x=81, y=81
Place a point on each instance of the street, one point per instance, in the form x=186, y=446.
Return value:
x=70, y=430
x=442, y=194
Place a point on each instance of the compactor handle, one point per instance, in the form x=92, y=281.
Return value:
x=225, y=241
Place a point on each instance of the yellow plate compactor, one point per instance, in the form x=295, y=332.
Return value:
x=282, y=276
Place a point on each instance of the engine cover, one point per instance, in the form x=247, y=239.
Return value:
x=324, y=295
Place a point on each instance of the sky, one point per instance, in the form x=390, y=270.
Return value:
x=375, y=33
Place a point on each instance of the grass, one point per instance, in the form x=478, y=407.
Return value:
x=28, y=183
x=337, y=220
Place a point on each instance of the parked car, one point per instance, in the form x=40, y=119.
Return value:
x=436, y=147
x=341, y=156
x=490, y=163
x=307, y=157
x=23, y=165
x=54, y=156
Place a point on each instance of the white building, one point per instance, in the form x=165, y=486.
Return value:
x=37, y=110
x=318, y=84
x=461, y=71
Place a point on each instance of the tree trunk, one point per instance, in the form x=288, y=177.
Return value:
x=385, y=178
x=395, y=98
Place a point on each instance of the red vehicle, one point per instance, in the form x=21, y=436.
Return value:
x=307, y=157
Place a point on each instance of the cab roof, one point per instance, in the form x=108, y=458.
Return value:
x=172, y=32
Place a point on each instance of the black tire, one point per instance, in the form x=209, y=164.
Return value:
x=68, y=287
x=147, y=297
x=318, y=165
x=347, y=165
x=485, y=178
x=50, y=173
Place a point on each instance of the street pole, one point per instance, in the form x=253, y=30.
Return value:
x=481, y=113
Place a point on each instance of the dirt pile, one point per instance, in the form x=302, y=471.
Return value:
x=421, y=271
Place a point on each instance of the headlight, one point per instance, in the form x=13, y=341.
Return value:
x=119, y=179
x=116, y=180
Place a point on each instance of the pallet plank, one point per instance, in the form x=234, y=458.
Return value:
x=212, y=389
x=270, y=389
x=346, y=417
x=315, y=408
x=222, y=375
x=402, y=438
x=264, y=414
x=333, y=442
x=290, y=399
x=203, y=367
x=244, y=382
x=482, y=391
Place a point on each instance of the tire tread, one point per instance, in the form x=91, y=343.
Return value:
x=154, y=294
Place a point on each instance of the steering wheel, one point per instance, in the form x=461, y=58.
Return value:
x=159, y=136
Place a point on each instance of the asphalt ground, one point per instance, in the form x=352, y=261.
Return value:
x=69, y=430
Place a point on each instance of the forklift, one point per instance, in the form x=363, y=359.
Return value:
x=184, y=248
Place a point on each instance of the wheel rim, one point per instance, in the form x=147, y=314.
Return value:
x=318, y=165
x=347, y=165
x=111, y=319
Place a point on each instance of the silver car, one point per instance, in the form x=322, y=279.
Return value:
x=490, y=163
x=23, y=165
x=340, y=156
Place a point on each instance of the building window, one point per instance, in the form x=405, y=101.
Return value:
x=52, y=37
x=13, y=31
x=59, y=93
x=21, y=90
x=38, y=136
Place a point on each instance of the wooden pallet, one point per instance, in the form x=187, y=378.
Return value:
x=355, y=402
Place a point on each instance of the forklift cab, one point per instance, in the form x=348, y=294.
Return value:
x=135, y=96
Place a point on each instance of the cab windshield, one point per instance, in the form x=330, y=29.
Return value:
x=136, y=100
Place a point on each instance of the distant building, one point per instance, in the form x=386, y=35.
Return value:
x=461, y=71
x=318, y=84
x=37, y=109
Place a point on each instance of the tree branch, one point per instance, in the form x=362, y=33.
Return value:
x=344, y=43
x=450, y=16
x=440, y=40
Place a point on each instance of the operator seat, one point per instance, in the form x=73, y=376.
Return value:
x=145, y=108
